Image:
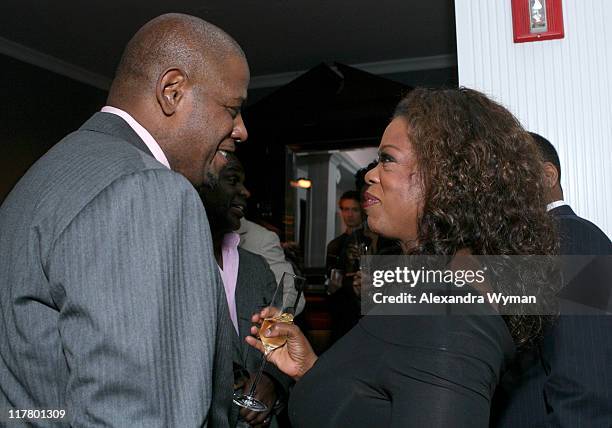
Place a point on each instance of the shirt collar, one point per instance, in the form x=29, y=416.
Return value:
x=144, y=135
x=230, y=241
x=555, y=204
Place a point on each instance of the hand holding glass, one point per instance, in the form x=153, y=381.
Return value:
x=284, y=313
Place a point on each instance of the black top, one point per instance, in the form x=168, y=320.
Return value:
x=406, y=371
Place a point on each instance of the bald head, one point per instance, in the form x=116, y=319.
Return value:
x=184, y=80
x=171, y=40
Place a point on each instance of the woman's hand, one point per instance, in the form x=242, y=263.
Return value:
x=296, y=357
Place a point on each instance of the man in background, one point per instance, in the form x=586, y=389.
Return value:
x=566, y=381
x=249, y=286
x=259, y=240
x=338, y=255
x=111, y=303
x=578, y=235
x=342, y=263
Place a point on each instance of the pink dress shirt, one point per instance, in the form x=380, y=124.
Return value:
x=229, y=273
x=144, y=135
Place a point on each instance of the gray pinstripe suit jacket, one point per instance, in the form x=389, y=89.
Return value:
x=111, y=305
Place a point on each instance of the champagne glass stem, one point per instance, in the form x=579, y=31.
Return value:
x=258, y=376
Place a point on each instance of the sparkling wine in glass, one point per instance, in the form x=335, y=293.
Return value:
x=271, y=343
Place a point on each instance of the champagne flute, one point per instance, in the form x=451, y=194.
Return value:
x=334, y=283
x=282, y=313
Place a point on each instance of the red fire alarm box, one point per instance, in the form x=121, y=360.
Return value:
x=534, y=20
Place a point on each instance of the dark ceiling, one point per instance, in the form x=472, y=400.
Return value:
x=277, y=35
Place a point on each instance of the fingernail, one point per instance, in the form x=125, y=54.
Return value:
x=268, y=332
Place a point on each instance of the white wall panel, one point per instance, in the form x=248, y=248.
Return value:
x=561, y=89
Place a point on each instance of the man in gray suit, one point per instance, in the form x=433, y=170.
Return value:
x=259, y=240
x=249, y=285
x=111, y=306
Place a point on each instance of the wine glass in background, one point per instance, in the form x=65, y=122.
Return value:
x=334, y=283
x=356, y=251
x=282, y=312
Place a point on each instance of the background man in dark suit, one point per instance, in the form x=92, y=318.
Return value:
x=248, y=280
x=343, y=253
x=577, y=235
x=350, y=210
x=567, y=382
x=111, y=306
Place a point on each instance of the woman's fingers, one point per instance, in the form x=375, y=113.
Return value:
x=266, y=312
x=255, y=343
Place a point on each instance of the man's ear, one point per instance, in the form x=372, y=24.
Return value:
x=171, y=90
x=551, y=175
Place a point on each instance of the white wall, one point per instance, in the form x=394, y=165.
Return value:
x=362, y=157
x=561, y=89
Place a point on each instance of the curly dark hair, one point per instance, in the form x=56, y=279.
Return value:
x=484, y=189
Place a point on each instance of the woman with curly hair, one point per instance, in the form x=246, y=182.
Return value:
x=457, y=176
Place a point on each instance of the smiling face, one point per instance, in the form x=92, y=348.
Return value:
x=210, y=121
x=394, y=199
x=226, y=201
